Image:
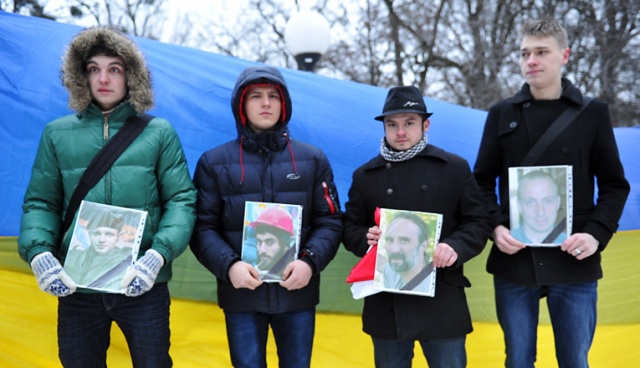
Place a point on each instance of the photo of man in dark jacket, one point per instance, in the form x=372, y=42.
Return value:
x=104, y=262
x=411, y=174
x=108, y=81
x=264, y=164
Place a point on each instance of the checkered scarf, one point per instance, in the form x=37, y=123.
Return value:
x=392, y=155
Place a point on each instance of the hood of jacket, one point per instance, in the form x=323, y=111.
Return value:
x=255, y=75
x=140, y=92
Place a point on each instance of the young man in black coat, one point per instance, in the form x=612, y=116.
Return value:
x=567, y=275
x=410, y=174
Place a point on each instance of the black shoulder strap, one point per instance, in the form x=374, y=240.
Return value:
x=103, y=161
x=118, y=269
x=562, y=226
x=554, y=131
x=417, y=279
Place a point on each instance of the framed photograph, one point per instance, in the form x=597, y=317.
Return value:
x=541, y=204
x=271, y=237
x=104, y=244
x=404, y=259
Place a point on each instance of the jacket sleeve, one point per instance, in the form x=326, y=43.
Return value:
x=473, y=221
x=613, y=188
x=326, y=225
x=178, y=197
x=487, y=168
x=43, y=204
x=357, y=219
x=207, y=242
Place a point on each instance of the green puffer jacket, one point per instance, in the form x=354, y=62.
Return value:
x=151, y=175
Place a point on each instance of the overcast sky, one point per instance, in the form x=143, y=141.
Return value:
x=197, y=10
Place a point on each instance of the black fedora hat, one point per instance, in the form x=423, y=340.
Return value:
x=402, y=100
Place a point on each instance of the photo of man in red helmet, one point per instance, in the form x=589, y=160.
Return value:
x=275, y=242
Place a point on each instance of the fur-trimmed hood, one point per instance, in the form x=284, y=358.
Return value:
x=140, y=92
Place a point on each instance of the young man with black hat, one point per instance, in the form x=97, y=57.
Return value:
x=264, y=164
x=411, y=174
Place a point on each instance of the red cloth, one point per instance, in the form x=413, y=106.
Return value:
x=364, y=270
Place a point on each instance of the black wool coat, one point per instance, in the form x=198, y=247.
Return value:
x=588, y=145
x=433, y=181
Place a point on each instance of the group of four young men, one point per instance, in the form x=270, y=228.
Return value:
x=108, y=81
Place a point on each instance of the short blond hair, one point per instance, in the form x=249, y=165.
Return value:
x=545, y=28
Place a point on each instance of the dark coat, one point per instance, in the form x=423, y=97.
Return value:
x=587, y=144
x=434, y=181
x=266, y=167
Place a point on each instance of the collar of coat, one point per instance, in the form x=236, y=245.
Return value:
x=269, y=141
x=569, y=92
x=512, y=118
x=117, y=116
x=430, y=152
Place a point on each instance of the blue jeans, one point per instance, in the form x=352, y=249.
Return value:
x=440, y=353
x=293, y=331
x=572, y=309
x=84, y=325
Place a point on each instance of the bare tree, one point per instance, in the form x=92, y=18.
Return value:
x=462, y=51
x=257, y=33
x=481, y=53
x=613, y=39
x=142, y=18
x=26, y=7
x=359, y=51
x=470, y=48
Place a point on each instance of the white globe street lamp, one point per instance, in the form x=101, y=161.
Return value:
x=307, y=37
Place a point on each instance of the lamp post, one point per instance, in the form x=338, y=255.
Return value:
x=307, y=38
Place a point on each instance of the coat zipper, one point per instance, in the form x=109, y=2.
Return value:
x=105, y=128
x=105, y=136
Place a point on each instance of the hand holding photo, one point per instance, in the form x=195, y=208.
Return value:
x=271, y=237
x=104, y=244
x=404, y=261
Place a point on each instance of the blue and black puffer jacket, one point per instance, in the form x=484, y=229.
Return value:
x=265, y=167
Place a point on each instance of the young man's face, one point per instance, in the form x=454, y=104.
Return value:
x=404, y=131
x=269, y=250
x=263, y=107
x=103, y=239
x=541, y=61
x=402, y=242
x=107, y=81
x=539, y=202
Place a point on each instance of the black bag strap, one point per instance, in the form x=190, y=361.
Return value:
x=554, y=131
x=103, y=161
x=562, y=226
x=417, y=279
